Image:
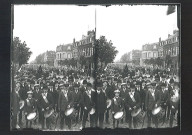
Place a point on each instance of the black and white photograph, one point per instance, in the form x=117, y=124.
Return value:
x=75, y=67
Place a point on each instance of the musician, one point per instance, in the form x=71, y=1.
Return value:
x=82, y=90
x=123, y=93
x=77, y=96
x=88, y=101
x=132, y=102
x=23, y=96
x=174, y=103
x=170, y=86
x=164, y=99
x=116, y=106
x=36, y=96
x=65, y=101
x=29, y=107
x=15, y=105
x=54, y=94
x=152, y=101
x=140, y=88
x=45, y=104
x=107, y=88
x=101, y=105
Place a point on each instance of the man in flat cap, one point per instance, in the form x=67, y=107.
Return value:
x=45, y=103
x=123, y=93
x=116, y=106
x=36, y=96
x=29, y=107
x=132, y=102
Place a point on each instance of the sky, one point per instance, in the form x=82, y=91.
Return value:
x=44, y=27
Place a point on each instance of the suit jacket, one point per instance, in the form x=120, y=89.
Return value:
x=55, y=95
x=164, y=96
x=82, y=89
x=77, y=97
x=150, y=101
x=142, y=94
x=109, y=92
x=23, y=92
x=101, y=105
x=43, y=104
x=129, y=103
x=87, y=101
x=30, y=106
x=117, y=104
x=63, y=102
x=123, y=93
x=36, y=95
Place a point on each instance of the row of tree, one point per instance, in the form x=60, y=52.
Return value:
x=167, y=61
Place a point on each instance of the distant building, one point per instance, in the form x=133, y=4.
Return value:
x=77, y=49
x=84, y=47
x=63, y=52
x=135, y=55
x=171, y=48
x=149, y=51
x=163, y=49
x=49, y=57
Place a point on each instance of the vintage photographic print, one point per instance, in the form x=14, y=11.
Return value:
x=95, y=66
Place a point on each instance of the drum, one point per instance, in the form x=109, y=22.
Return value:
x=139, y=114
x=21, y=104
x=74, y=115
x=92, y=111
x=69, y=111
x=118, y=115
x=159, y=112
x=32, y=116
x=48, y=113
x=109, y=103
x=156, y=110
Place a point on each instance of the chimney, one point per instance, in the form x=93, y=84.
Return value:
x=74, y=40
x=159, y=39
x=169, y=35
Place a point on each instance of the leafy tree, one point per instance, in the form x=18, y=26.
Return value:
x=21, y=53
x=39, y=59
x=106, y=51
x=125, y=58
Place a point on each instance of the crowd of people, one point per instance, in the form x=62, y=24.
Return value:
x=71, y=96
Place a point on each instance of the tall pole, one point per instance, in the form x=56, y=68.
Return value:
x=95, y=55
